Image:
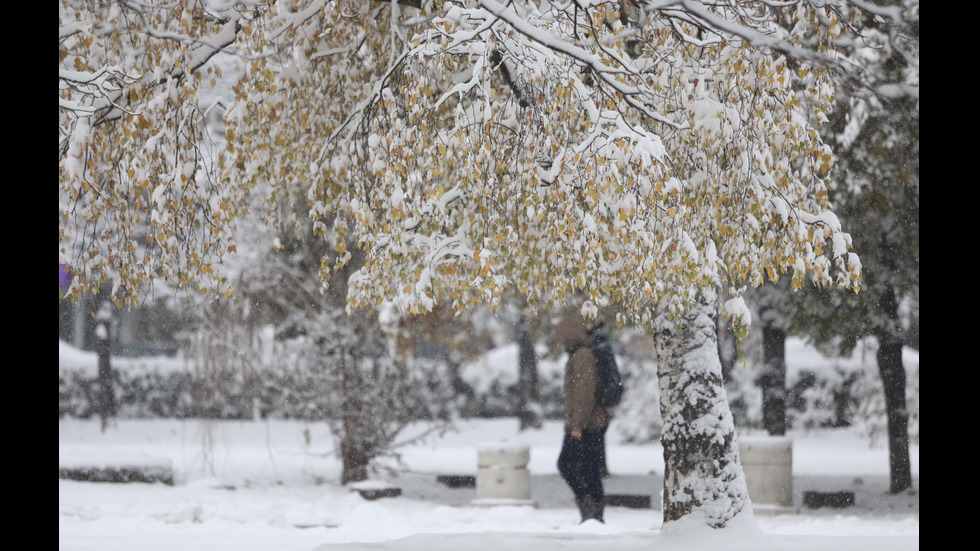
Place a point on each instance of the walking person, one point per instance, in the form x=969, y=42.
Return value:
x=580, y=460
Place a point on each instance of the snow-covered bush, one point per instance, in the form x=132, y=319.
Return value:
x=637, y=418
x=162, y=387
x=820, y=399
x=868, y=404
x=822, y=391
x=493, y=379
x=744, y=396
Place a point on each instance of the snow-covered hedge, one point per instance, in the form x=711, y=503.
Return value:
x=170, y=388
x=822, y=391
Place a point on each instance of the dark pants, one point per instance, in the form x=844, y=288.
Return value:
x=580, y=463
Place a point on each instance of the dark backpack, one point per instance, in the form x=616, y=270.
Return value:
x=609, y=384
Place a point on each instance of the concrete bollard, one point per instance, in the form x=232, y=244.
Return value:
x=502, y=477
x=767, y=462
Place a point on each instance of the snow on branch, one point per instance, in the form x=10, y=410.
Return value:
x=775, y=28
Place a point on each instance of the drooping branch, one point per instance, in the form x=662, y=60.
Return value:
x=732, y=20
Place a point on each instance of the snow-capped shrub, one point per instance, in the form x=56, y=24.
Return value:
x=744, y=396
x=280, y=392
x=494, y=381
x=867, y=408
x=825, y=391
x=637, y=418
x=822, y=391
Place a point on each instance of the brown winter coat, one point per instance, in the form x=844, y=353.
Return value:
x=581, y=371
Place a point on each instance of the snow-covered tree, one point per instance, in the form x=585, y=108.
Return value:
x=643, y=153
x=336, y=367
x=625, y=153
x=881, y=200
x=876, y=138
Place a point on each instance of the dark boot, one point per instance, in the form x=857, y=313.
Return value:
x=585, y=505
x=600, y=508
x=589, y=508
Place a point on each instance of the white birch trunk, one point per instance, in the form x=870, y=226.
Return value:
x=702, y=469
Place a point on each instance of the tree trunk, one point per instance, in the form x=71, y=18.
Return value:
x=355, y=460
x=892, y=372
x=527, y=378
x=103, y=349
x=702, y=469
x=773, y=379
x=354, y=455
x=727, y=349
x=893, y=379
x=355, y=443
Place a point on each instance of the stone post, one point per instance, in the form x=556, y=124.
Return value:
x=502, y=477
x=768, y=465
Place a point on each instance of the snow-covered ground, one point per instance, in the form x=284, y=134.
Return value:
x=273, y=485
